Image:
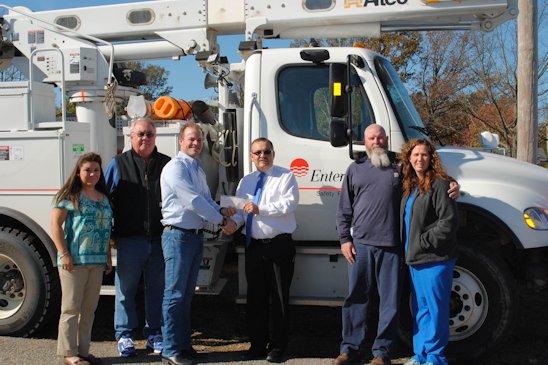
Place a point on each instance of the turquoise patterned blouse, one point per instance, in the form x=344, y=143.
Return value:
x=87, y=231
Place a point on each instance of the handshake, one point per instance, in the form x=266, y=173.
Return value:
x=229, y=226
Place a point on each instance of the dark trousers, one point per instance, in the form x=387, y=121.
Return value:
x=375, y=267
x=269, y=270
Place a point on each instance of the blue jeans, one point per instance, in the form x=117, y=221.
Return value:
x=138, y=256
x=183, y=256
x=380, y=267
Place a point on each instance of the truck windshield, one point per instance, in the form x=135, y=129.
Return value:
x=408, y=118
x=303, y=103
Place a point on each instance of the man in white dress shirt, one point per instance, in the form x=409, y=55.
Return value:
x=270, y=253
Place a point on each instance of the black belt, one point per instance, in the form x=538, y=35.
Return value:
x=195, y=230
x=275, y=238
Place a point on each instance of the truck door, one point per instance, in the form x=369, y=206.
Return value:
x=298, y=125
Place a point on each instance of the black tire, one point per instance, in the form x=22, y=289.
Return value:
x=484, y=306
x=33, y=297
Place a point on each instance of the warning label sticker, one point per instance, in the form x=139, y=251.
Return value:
x=11, y=153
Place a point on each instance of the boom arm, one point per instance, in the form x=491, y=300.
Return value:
x=180, y=27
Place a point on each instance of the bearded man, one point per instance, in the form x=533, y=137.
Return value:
x=368, y=227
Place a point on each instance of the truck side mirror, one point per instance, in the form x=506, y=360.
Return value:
x=338, y=133
x=337, y=89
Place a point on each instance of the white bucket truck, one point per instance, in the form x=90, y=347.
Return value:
x=286, y=97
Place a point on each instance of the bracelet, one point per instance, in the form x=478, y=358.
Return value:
x=64, y=254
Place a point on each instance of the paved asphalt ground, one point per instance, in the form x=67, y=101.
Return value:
x=42, y=351
x=218, y=336
x=219, y=333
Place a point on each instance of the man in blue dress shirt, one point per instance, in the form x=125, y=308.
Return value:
x=186, y=205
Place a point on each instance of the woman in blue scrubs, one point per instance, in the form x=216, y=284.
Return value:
x=429, y=226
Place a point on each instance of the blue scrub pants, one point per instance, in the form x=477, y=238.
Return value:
x=431, y=293
x=380, y=268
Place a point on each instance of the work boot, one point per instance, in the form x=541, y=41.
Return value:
x=346, y=359
x=379, y=360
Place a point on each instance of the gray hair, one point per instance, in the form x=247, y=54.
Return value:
x=142, y=120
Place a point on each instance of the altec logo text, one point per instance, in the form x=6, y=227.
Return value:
x=366, y=3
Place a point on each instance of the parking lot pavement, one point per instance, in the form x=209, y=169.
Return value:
x=219, y=331
x=23, y=351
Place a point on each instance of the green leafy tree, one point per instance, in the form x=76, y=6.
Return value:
x=157, y=80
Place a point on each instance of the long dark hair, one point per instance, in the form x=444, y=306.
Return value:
x=73, y=186
x=435, y=169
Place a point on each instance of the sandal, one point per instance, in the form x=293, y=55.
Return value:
x=91, y=359
x=76, y=361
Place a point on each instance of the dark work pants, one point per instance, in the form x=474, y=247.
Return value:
x=269, y=270
x=380, y=267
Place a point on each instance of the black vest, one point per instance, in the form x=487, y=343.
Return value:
x=137, y=198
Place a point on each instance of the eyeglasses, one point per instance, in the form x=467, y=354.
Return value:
x=142, y=134
x=258, y=153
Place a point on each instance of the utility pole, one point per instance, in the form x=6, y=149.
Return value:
x=527, y=81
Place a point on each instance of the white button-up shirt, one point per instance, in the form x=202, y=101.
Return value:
x=277, y=206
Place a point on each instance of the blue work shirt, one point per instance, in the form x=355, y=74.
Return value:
x=186, y=199
x=368, y=211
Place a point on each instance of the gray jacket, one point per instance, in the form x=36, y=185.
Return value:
x=433, y=226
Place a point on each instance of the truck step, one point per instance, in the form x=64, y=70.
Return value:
x=325, y=302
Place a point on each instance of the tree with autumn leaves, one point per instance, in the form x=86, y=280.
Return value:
x=468, y=83
x=437, y=84
x=462, y=83
x=400, y=47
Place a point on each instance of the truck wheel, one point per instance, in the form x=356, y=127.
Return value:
x=29, y=285
x=484, y=304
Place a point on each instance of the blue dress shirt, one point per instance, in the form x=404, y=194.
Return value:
x=186, y=199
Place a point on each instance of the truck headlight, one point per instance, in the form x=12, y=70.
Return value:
x=536, y=218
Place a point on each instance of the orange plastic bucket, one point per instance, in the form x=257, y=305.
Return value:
x=166, y=107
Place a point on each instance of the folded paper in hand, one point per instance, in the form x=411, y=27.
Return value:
x=232, y=201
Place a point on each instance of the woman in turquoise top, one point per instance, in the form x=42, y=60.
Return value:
x=429, y=221
x=82, y=206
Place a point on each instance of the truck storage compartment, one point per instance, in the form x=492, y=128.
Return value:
x=16, y=100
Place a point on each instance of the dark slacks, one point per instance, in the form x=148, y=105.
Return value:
x=380, y=268
x=269, y=270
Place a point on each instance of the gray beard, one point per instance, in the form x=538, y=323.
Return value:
x=379, y=157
